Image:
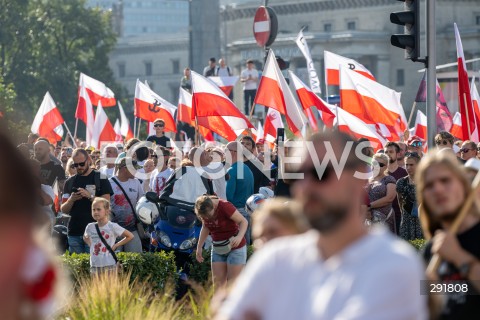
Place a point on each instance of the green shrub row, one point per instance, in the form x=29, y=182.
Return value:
x=158, y=268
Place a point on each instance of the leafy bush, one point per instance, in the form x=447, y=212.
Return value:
x=419, y=244
x=156, y=268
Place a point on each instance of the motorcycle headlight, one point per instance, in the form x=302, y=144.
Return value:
x=187, y=244
x=164, y=239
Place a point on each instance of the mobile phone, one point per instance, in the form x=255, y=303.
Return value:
x=74, y=189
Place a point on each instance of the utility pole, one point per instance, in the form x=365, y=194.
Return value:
x=431, y=74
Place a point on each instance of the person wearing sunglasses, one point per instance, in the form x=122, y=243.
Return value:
x=415, y=144
x=382, y=193
x=298, y=277
x=468, y=150
x=159, y=137
x=444, y=140
x=78, y=194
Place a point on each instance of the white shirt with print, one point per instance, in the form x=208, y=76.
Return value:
x=99, y=255
x=121, y=210
x=159, y=180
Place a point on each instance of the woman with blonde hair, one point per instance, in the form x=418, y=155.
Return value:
x=381, y=192
x=70, y=169
x=277, y=217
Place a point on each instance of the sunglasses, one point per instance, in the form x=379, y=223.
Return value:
x=381, y=164
x=158, y=125
x=134, y=164
x=80, y=164
x=416, y=144
x=478, y=149
x=441, y=142
x=465, y=150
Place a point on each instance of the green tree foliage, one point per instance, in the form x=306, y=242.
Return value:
x=45, y=44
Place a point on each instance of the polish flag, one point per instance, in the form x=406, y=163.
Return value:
x=260, y=135
x=309, y=99
x=274, y=92
x=125, y=129
x=102, y=128
x=213, y=110
x=273, y=121
x=150, y=106
x=225, y=83
x=56, y=200
x=457, y=130
x=371, y=102
x=464, y=96
x=184, y=113
x=354, y=126
x=48, y=121
x=84, y=112
x=332, y=65
x=97, y=91
x=421, y=126
x=118, y=132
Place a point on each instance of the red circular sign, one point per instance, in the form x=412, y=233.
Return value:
x=261, y=26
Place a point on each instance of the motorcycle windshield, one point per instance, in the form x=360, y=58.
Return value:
x=180, y=218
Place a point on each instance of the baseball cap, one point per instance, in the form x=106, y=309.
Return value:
x=414, y=139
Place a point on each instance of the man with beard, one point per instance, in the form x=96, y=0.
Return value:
x=392, y=150
x=49, y=171
x=442, y=187
x=78, y=194
x=338, y=270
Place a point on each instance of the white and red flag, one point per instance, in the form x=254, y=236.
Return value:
x=457, y=130
x=118, y=132
x=97, y=91
x=273, y=121
x=420, y=129
x=225, y=83
x=56, y=200
x=102, y=129
x=84, y=112
x=48, y=120
x=214, y=110
x=184, y=114
x=274, y=92
x=309, y=99
x=464, y=96
x=371, y=102
x=150, y=106
x=333, y=62
x=125, y=129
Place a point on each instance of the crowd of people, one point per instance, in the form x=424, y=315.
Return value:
x=341, y=251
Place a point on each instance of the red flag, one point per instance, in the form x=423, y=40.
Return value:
x=97, y=91
x=273, y=121
x=332, y=66
x=371, y=102
x=464, y=97
x=150, y=106
x=225, y=83
x=102, y=129
x=184, y=114
x=56, y=201
x=48, y=121
x=309, y=99
x=457, y=130
x=214, y=110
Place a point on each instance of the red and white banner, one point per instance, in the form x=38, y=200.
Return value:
x=420, y=129
x=457, y=130
x=372, y=102
x=464, y=96
x=84, y=112
x=214, y=110
x=309, y=99
x=97, y=91
x=48, y=120
x=226, y=84
x=333, y=62
x=150, y=106
x=273, y=121
x=274, y=92
x=184, y=113
x=125, y=129
x=102, y=129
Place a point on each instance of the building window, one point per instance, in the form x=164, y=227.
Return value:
x=351, y=25
x=175, y=66
x=121, y=70
x=148, y=68
x=327, y=27
x=400, y=77
x=477, y=20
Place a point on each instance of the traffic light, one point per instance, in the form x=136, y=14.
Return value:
x=410, y=18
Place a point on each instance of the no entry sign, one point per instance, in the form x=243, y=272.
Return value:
x=265, y=26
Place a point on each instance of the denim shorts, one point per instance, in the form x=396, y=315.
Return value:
x=237, y=256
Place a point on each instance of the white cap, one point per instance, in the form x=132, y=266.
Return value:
x=473, y=163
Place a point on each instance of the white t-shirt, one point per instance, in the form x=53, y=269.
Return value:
x=158, y=181
x=99, y=255
x=216, y=172
x=250, y=84
x=108, y=172
x=121, y=210
x=377, y=277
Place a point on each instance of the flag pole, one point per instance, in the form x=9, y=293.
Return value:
x=196, y=132
x=339, y=96
x=139, y=126
x=414, y=106
x=68, y=130
x=134, y=126
x=76, y=125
